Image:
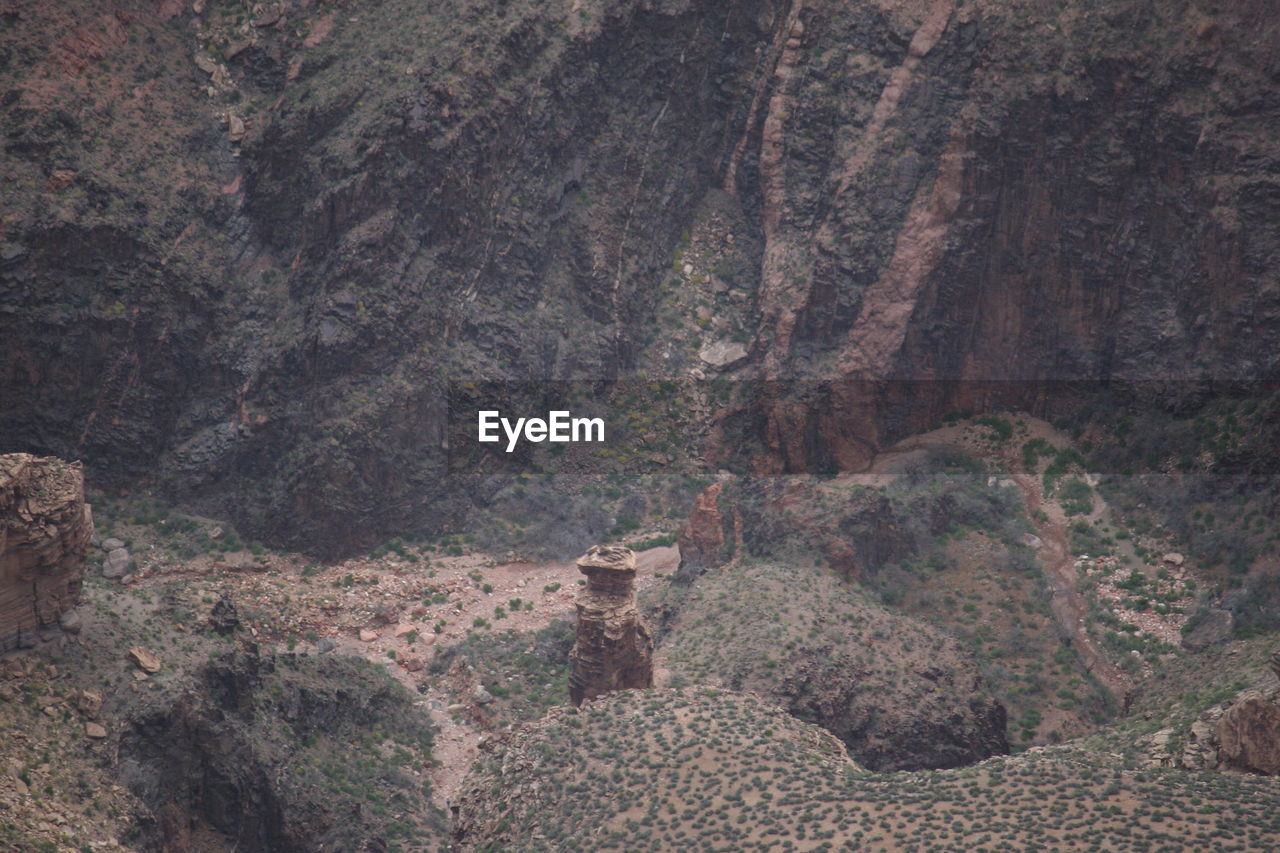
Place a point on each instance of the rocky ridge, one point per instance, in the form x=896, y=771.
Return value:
x=240, y=755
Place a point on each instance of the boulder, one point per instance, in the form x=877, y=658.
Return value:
x=326, y=644
x=481, y=696
x=89, y=703
x=118, y=564
x=60, y=179
x=224, y=618
x=71, y=622
x=205, y=62
x=145, y=659
x=111, y=544
x=1249, y=736
x=95, y=730
x=723, y=355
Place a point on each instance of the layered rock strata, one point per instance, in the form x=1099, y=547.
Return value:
x=614, y=650
x=45, y=527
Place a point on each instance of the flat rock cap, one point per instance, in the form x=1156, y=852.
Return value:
x=615, y=557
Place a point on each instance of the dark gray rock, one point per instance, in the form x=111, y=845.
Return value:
x=118, y=564
x=224, y=618
x=1216, y=627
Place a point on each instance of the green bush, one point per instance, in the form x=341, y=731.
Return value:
x=1076, y=496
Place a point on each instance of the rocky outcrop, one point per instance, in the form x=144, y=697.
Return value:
x=1249, y=736
x=1241, y=734
x=856, y=533
x=45, y=527
x=614, y=650
x=708, y=537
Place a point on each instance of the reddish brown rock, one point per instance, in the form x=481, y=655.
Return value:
x=1249, y=736
x=614, y=650
x=45, y=527
x=60, y=179
x=145, y=659
x=703, y=539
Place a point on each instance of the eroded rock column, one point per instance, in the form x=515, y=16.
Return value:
x=614, y=650
x=45, y=527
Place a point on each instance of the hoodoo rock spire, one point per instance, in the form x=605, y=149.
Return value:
x=614, y=650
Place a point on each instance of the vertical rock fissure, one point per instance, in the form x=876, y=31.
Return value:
x=771, y=61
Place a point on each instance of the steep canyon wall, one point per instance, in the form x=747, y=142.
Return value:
x=253, y=262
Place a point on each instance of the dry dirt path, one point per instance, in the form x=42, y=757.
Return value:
x=1068, y=605
x=458, y=741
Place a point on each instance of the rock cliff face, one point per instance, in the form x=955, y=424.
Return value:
x=614, y=650
x=45, y=527
x=1009, y=211
x=266, y=276
x=261, y=271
